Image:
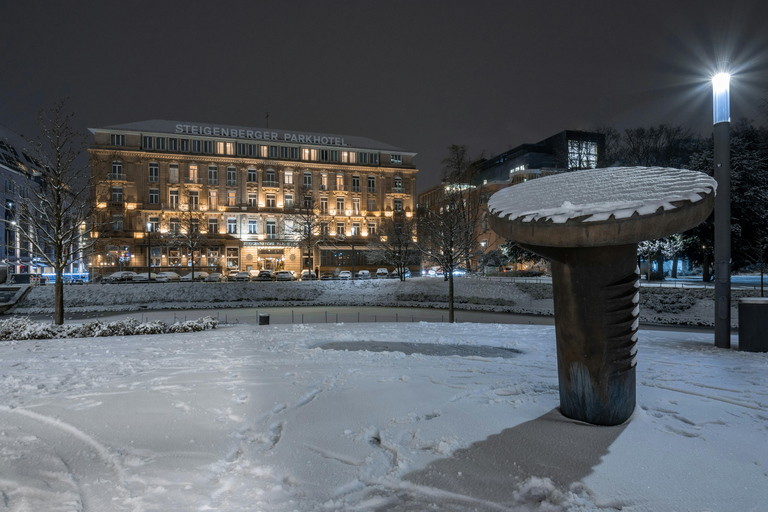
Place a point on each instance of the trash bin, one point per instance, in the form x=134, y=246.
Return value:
x=263, y=318
x=753, y=324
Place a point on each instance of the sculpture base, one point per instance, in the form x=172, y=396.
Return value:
x=596, y=320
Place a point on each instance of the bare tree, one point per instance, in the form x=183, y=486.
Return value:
x=304, y=214
x=448, y=232
x=185, y=233
x=54, y=218
x=394, y=243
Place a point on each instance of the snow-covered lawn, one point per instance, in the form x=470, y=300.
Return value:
x=691, y=306
x=262, y=418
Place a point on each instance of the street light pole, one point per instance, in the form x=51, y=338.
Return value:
x=722, y=158
x=149, y=251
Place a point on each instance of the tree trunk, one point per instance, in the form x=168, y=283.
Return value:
x=192, y=263
x=674, y=267
x=58, y=303
x=450, y=297
x=705, y=271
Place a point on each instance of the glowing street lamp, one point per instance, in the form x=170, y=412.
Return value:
x=721, y=111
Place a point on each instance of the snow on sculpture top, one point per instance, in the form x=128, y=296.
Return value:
x=599, y=194
x=608, y=206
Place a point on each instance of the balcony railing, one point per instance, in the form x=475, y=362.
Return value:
x=355, y=189
x=116, y=204
x=213, y=181
x=270, y=184
x=338, y=188
x=116, y=176
x=398, y=190
x=371, y=190
x=194, y=181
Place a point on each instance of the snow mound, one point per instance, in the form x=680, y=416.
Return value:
x=599, y=194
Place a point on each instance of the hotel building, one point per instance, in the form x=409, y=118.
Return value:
x=242, y=189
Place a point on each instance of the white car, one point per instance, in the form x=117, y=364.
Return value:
x=199, y=276
x=165, y=277
x=284, y=275
x=364, y=274
x=122, y=275
x=216, y=278
x=345, y=274
x=306, y=275
x=241, y=276
x=382, y=273
x=138, y=278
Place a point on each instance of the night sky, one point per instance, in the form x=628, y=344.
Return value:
x=419, y=75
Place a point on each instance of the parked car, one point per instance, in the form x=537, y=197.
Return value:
x=216, y=277
x=138, y=278
x=231, y=273
x=364, y=274
x=396, y=275
x=165, y=277
x=284, y=275
x=242, y=276
x=265, y=275
x=327, y=276
x=345, y=274
x=199, y=276
x=307, y=275
x=116, y=277
x=382, y=273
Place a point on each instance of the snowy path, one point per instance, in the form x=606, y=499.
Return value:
x=261, y=418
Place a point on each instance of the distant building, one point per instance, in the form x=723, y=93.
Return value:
x=241, y=187
x=19, y=172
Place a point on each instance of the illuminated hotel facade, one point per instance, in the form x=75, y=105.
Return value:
x=244, y=190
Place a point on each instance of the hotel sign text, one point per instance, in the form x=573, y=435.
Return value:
x=242, y=133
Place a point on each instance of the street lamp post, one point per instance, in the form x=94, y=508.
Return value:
x=149, y=251
x=722, y=158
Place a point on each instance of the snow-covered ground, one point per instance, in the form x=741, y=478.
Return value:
x=430, y=417
x=692, y=306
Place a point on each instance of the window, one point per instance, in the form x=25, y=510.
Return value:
x=582, y=154
x=356, y=206
x=231, y=176
x=334, y=155
x=308, y=179
x=371, y=229
x=339, y=205
x=348, y=157
x=253, y=199
x=213, y=175
x=339, y=182
x=371, y=205
x=269, y=178
x=355, y=228
x=146, y=142
x=324, y=228
x=309, y=154
x=213, y=225
x=232, y=226
x=273, y=151
x=396, y=159
x=253, y=226
x=173, y=144
x=194, y=225
x=208, y=147
x=363, y=158
x=355, y=183
x=213, y=199
x=184, y=145
x=195, y=146
x=288, y=177
x=323, y=181
x=323, y=155
x=194, y=200
x=271, y=229
x=173, y=173
x=263, y=151
x=397, y=205
x=323, y=205
x=117, y=140
x=253, y=176
x=154, y=196
x=192, y=173
x=117, y=170
x=371, y=183
x=117, y=222
x=173, y=197
x=309, y=203
x=294, y=153
x=173, y=225
x=288, y=201
x=374, y=158
x=398, y=184
x=253, y=150
x=219, y=147
x=340, y=229
x=154, y=224
x=284, y=152
x=241, y=148
x=271, y=201
x=160, y=143
x=117, y=194
x=174, y=257
x=231, y=197
x=288, y=227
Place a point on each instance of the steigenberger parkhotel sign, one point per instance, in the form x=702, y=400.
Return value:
x=243, y=133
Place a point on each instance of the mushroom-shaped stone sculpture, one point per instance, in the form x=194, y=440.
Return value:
x=588, y=223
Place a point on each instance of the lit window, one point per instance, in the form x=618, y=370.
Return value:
x=398, y=184
x=263, y=151
x=213, y=199
x=355, y=228
x=173, y=173
x=192, y=173
x=288, y=177
x=356, y=205
x=232, y=226
x=231, y=198
x=309, y=154
x=339, y=182
x=219, y=147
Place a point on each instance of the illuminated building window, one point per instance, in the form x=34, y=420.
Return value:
x=231, y=198
x=271, y=229
x=232, y=226
x=398, y=184
x=219, y=147
x=348, y=157
x=173, y=173
x=323, y=181
x=117, y=139
x=396, y=159
x=288, y=177
x=356, y=205
x=582, y=154
x=154, y=196
x=355, y=228
x=213, y=175
x=309, y=154
x=213, y=199
x=253, y=226
x=192, y=173
x=213, y=225
x=339, y=182
x=231, y=176
x=263, y=151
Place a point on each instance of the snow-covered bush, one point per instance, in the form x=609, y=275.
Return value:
x=25, y=329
